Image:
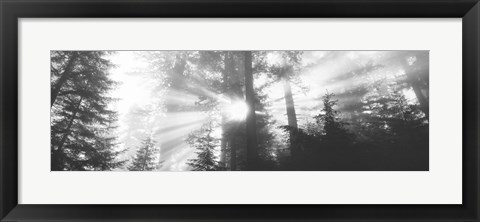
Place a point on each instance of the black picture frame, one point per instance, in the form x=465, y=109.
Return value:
x=12, y=10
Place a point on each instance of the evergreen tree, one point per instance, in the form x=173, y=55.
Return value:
x=205, y=144
x=333, y=128
x=81, y=122
x=146, y=157
x=334, y=134
x=62, y=67
x=267, y=143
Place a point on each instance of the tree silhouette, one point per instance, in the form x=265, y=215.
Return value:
x=334, y=131
x=146, y=158
x=81, y=123
x=204, y=144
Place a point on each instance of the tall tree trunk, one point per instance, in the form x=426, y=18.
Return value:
x=236, y=135
x=145, y=158
x=223, y=145
x=289, y=104
x=233, y=143
x=252, y=151
x=233, y=153
x=415, y=83
x=223, y=142
x=291, y=115
x=235, y=93
x=63, y=78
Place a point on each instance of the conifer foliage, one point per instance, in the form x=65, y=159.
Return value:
x=205, y=144
x=146, y=157
x=82, y=125
x=333, y=128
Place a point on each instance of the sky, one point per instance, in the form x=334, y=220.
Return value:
x=136, y=84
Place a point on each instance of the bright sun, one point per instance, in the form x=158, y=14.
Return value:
x=237, y=111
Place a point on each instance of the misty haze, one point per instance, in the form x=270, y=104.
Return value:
x=239, y=110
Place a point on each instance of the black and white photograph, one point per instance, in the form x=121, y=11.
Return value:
x=308, y=110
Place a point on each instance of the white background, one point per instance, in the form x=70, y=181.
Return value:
x=441, y=185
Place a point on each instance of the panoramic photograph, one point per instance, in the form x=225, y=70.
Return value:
x=239, y=111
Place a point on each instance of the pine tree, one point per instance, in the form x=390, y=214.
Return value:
x=205, y=144
x=81, y=123
x=334, y=131
x=146, y=157
x=62, y=67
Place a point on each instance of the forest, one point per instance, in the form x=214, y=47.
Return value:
x=239, y=110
